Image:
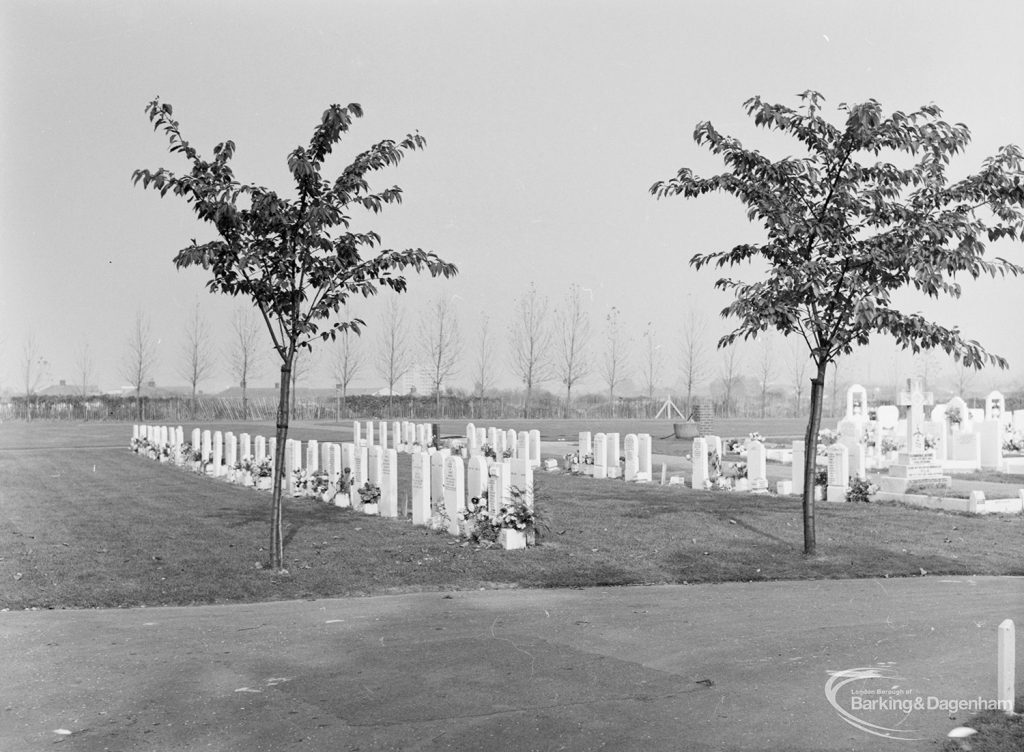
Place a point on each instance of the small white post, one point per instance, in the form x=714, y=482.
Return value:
x=1005, y=668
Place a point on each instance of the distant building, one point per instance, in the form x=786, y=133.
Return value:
x=64, y=389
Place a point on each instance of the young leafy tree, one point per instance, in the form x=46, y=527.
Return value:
x=845, y=231
x=296, y=258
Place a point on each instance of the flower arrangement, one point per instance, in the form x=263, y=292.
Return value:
x=479, y=525
x=345, y=481
x=827, y=437
x=1014, y=442
x=140, y=446
x=738, y=470
x=860, y=490
x=507, y=454
x=953, y=416
x=264, y=468
x=318, y=483
x=714, y=464
x=755, y=436
x=369, y=493
x=889, y=444
x=488, y=451
x=166, y=452
x=588, y=459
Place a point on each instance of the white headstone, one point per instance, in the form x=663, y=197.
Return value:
x=521, y=479
x=699, y=458
x=197, y=439
x=397, y=437
x=600, y=455
x=857, y=402
x=348, y=458
x=614, y=452
x=757, y=472
x=368, y=433
x=523, y=446
x=437, y=481
x=312, y=456
x=421, y=513
x=645, y=470
x=291, y=462
x=498, y=486
x=207, y=446
x=333, y=465
x=357, y=432
x=361, y=465
x=586, y=445
x=259, y=449
x=374, y=460
x=218, y=454
x=389, y=483
x=454, y=491
x=838, y=472
x=230, y=449
x=887, y=416
x=797, y=468
x=382, y=434
x=511, y=440
x=631, y=446
x=244, y=445
x=535, y=447
x=476, y=477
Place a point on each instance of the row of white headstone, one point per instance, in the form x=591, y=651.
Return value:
x=599, y=456
x=503, y=444
x=705, y=448
x=441, y=482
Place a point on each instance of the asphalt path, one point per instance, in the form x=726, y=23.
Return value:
x=734, y=666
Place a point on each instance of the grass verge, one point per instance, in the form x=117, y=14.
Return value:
x=100, y=526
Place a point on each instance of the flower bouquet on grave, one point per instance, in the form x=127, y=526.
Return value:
x=488, y=451
x=954, y=417
x=138, y=445
x=263, y=474
x=369, y=497
x=517, y=521
x=343, y=498
x=476, y=522
x=319, y=484
x=166, y=453
x=244, y=470
x=508, y=453
x=1014, y=442
x=300, y=482
x=587, y=464
x=572, y=462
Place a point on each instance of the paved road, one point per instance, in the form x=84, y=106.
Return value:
x=708, y=667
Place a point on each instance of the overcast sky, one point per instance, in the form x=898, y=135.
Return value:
x=546, y=124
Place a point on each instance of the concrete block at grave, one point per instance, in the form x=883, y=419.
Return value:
x=784, y=487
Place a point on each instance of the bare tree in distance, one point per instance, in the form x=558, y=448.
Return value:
x=84, y=368
x=730, y=372
x=530, y=354
x=765, y=369
x=798, y=363
x=572, y=343
x=303, y=366
x=394, y=358
x=197, y=361
x=244, y=356
x=441, y=344
x=34, y=368
x=652, y=362
x=484, y=372
x=693, y=353
x=615, y=362
x=346, y=360
x=139, y=358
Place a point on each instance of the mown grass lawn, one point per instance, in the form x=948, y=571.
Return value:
x=95, y=525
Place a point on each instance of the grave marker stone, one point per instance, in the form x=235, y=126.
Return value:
x=388, y=483
x=498, y=486
x=586, y=445
x=632, y=464
x=838, y=473
x=757, y=472
x=454, y=492
x=421, y=513
x=614, y=469
x=245, y=445
x=259, y=449
x=312, y=456
x=645, y=471
x=217, y=455
x=230, y=450
x=437, y=481
x=535, y=447
x=374, y=460
x=699, y=457
x=521, y=479
x=600, y=455
x=476, y=477
x=797, y=468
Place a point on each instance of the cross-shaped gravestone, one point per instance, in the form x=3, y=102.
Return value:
x=914, y=399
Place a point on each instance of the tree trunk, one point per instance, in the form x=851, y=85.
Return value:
x=811, y=457
x=439, y=401
x=276, y=537
x=611, y=402
x=568, y=400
